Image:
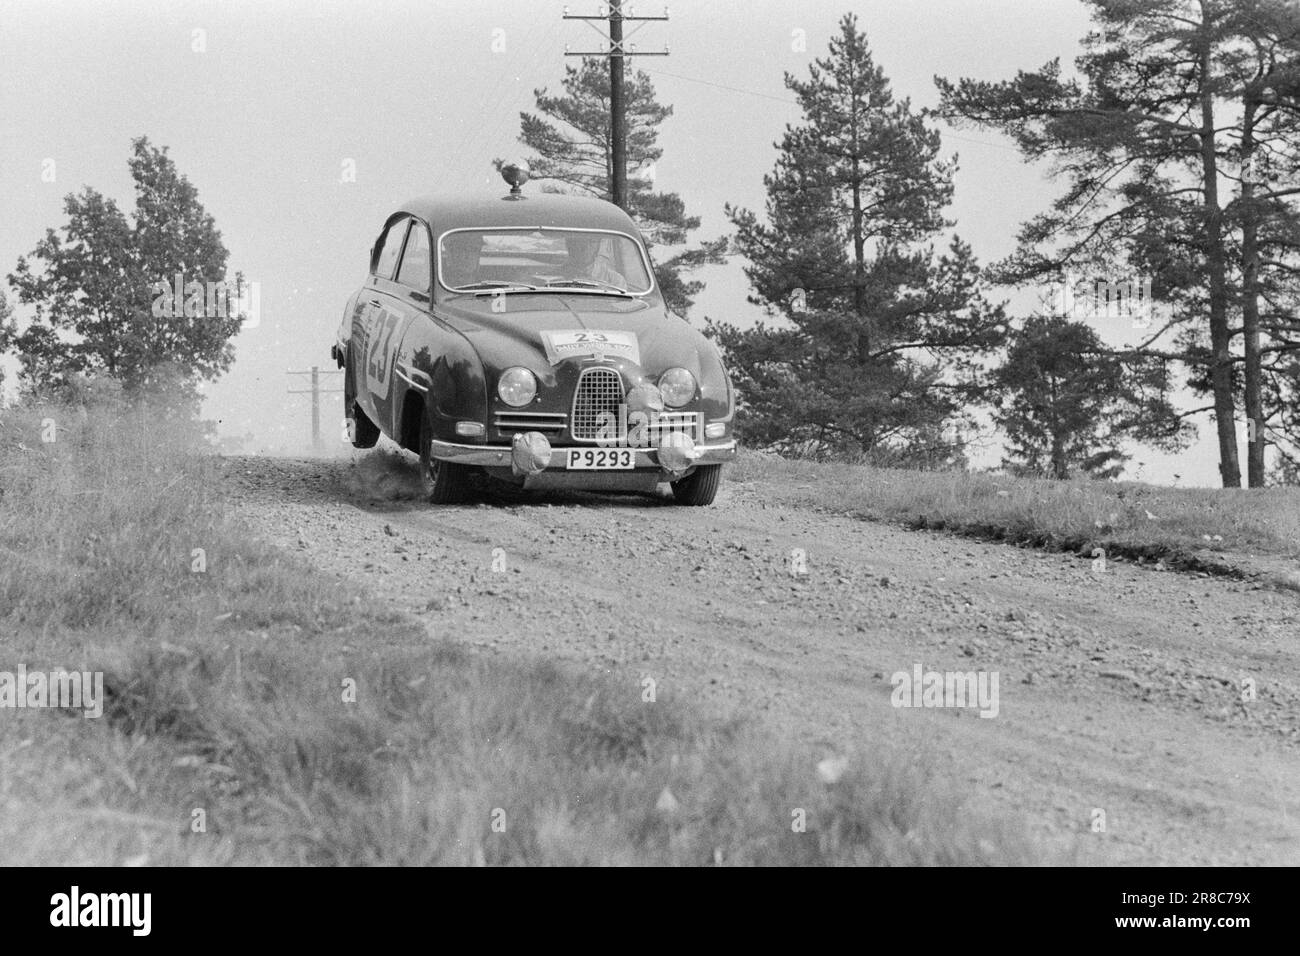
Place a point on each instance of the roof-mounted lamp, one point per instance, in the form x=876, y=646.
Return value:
x=516, y=173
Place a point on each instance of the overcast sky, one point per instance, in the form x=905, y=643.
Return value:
x=281, y=95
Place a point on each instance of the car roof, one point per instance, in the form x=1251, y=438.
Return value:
x=532, y=210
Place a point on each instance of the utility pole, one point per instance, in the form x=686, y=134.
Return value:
x=617, y=111
x=316, y=392
x=616, y=53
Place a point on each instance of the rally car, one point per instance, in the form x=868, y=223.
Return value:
x=524, y=338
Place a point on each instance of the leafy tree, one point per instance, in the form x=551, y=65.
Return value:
x=571, y=133
x=97, y=288
x=7, y=331
x=878, y=348
x=1175, y=100
x=1067, y=405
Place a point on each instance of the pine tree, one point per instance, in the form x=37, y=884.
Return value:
x=1068, y=406
x=878, y=341
x=1267, y=151
x=1176, y=100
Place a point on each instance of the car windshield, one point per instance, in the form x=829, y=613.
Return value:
x=481, y=260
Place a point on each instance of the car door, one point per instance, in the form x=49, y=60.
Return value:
x=396, y=300
x=367, y=316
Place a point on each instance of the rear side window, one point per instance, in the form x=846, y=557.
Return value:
x=390, y=247
x=416, y=262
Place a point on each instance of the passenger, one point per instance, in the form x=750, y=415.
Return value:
x=460, y=255
x=587, y=262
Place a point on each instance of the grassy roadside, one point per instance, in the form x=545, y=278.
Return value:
x=230, y=733
x=1189, y=528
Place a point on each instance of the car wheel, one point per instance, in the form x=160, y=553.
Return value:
x=699, y=487
x=364, y=433
x=445, y=482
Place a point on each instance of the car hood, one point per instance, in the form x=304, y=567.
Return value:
x=515, y=336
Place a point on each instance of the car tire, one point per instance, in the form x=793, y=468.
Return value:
x=364, y=433
x=699, y=487
x=445, y=482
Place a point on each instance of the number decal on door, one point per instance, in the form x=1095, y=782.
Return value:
x=378, y=342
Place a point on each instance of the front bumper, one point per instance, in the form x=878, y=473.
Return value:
x=498, y=456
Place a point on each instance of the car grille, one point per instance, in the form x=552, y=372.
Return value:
x=546, y=422
x=599, y=390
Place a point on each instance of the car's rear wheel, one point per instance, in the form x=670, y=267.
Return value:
x=362, y=432
x=699, y=487
x=445, y=482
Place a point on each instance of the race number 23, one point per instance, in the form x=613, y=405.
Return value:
x=380, y=339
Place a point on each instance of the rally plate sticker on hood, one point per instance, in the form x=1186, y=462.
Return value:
x=567, y=343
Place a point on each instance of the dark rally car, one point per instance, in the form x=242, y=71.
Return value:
x=524, y=336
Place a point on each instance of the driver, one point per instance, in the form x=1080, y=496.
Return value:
x=460, y=254
x=587, y=263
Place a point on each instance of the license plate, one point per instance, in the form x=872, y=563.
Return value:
x=600, y=459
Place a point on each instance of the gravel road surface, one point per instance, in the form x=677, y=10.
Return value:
x=1118, y=691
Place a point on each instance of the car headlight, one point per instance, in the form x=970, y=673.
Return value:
x=517, y=386
x=677, y=386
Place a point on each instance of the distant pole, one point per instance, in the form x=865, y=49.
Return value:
x=616, y=54
x=316, y=392
x=315, y=408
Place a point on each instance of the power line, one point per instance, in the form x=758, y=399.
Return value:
x=526, y=68
x=789, y=102
x=723, y=86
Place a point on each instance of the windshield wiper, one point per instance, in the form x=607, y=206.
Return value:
x=493, y=285
x=586, y=284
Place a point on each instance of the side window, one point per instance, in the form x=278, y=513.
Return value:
x=390, y=247
x=416, y=261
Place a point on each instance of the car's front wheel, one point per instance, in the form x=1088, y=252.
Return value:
x=699, y=487
x=445, y=482
x=362, y=432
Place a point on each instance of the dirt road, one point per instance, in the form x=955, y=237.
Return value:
x=1119, y=691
